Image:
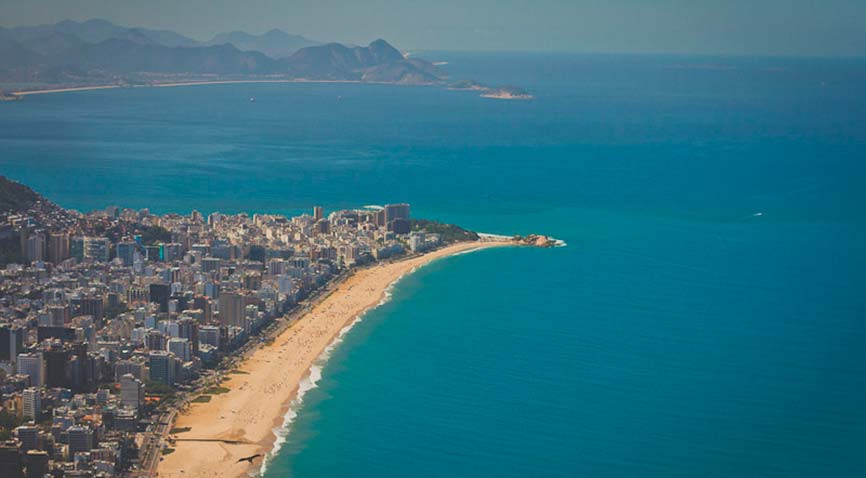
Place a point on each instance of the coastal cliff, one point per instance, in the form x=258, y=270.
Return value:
x=536, y=240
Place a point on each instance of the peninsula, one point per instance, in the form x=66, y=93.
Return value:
x=177, y=343
x=7, y=97
x=507, y=93
x=96, y=54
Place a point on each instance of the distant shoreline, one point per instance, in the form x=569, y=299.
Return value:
x=182, y=83
x=63, y=90
x=486, y=92
x=506, y=96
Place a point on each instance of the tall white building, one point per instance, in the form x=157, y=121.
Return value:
x=180, y=348
x=32, y=365
x=417, y=241
x=123, y=367
x=210, y=335
x=31, y=403
x=35, y=248
x=96, y=248
x=285, y=284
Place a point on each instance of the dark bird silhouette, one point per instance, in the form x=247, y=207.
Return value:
x=249, y=458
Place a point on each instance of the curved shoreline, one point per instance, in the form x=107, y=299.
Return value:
x=194, y=83
x=261, y=398
x=485, y=92
x=315, y=374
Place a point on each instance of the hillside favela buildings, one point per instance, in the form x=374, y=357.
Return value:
x=110, y=320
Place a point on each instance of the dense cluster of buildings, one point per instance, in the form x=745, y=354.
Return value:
x=104, y=314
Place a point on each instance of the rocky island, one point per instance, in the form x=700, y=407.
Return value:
x=499, y=93
x=536, y=240
x=507, y=93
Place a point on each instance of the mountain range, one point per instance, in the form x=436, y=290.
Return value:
x=275, y=43
x=100, y=52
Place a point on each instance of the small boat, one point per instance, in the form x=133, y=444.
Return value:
x=252, y=100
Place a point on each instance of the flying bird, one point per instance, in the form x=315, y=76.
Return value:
x=249, y=458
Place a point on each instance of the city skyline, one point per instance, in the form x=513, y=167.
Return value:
x=139, y=315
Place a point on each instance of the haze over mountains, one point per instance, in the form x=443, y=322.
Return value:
x=100, y=52
x=275, y=43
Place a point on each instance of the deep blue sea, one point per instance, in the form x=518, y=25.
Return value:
x=707, y=318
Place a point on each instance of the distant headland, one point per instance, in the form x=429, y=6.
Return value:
x=71, y=56
x=500, y=92
x=8, y=97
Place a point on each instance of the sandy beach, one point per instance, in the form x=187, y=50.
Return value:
x=192, y=83
x=232, y=82
x=260, y=394
x=171, y=84
x=64, y=90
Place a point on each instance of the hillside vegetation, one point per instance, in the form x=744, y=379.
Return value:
x=15, y=197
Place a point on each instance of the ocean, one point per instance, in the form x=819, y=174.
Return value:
x=707, y=317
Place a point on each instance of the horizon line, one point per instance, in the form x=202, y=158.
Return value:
x=780, y=55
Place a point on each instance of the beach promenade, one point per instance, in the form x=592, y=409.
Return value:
x=240, y=422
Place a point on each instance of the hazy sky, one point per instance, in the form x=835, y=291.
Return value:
x=787, y=27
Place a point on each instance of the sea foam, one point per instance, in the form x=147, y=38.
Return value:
x=308, y=383
x=311, y=381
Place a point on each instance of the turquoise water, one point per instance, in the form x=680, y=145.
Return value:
x=678, y=334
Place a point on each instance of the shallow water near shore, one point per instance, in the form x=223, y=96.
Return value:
x=706, y=317
x=311, y=381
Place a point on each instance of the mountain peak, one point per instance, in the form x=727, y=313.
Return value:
x=69, y=50
x=384, y=51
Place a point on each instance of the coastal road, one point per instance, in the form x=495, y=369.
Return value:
x=151, y=450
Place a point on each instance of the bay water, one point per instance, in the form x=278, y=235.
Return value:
x=707, y=317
